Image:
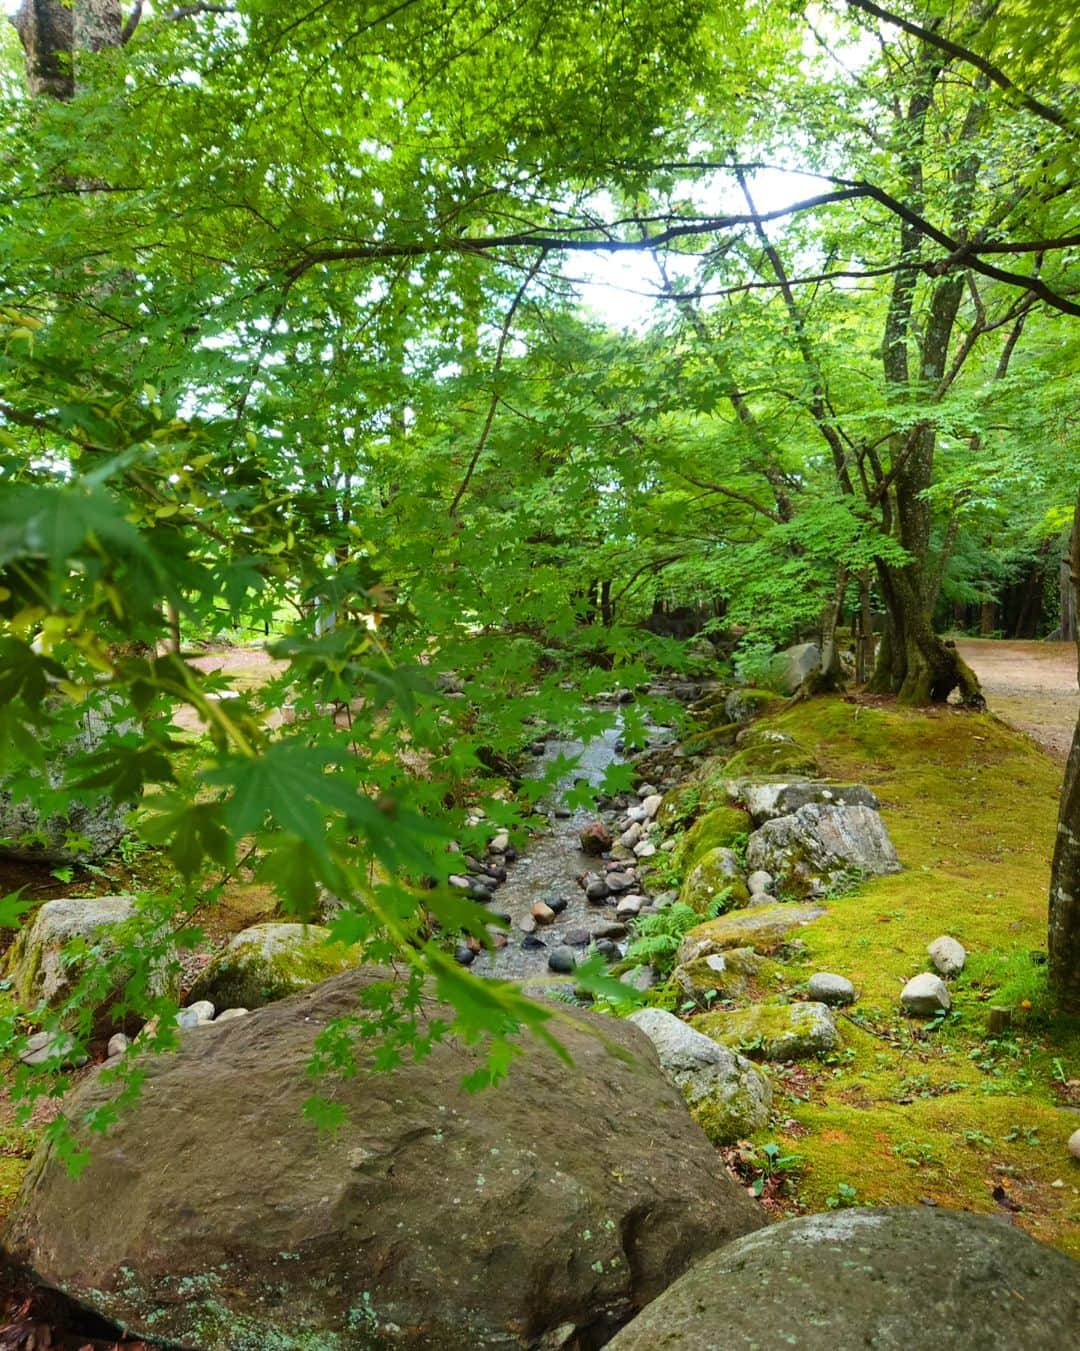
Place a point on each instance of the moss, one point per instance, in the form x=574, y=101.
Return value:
x=773, y=1031
x=745, y=705
x=902, y=1114
x=259, y=968
x=732, y=974
x=714, y=881
x=763, y=928
x=730, y=1117
x=711, y=739
x=721, y=827
x=771, y=757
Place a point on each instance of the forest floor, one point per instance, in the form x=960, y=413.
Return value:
x=1030, y=685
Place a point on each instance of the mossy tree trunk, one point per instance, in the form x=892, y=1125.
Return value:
x=1064, y=926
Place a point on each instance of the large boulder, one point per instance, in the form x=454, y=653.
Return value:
x=788, y=669
x=820, y=847
x=729, y=1098
x=50, y=956
x=744, y=705
x=267, y=962
x=724, y=975
x=763, y=928
x=870, y=1278
x=214, y=1215
x=772, y=758
x=768, y=798
x=85, y=829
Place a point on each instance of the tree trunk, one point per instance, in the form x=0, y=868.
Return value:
x=1064, y=922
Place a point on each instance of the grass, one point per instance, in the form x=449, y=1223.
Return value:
x=950, y=1115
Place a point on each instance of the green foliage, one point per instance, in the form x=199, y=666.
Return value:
x=657, y=937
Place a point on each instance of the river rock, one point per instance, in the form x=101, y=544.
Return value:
x=267, y=962
x=597, y=891
x=596, y=839
x=40, y=972
x=763, y=929
x=88, y=829
x=526, y=1214
x=631, y=835
x=947, y=955
x=829, y=989
x=619, y=881
x=729, y=1098
x=1074, y=1144
x=609, y=930
x=820, y=846
x=869, y=1278
x=542, y=913
x=650, y=804
x=630, y=906
x=774, y=1031
x=561, y=960
x=925, y=996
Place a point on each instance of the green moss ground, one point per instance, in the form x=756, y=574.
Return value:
x=950, y=1115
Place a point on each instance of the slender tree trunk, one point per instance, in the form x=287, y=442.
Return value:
x=1064, y=925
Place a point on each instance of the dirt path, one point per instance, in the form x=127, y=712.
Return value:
x=1032, y=686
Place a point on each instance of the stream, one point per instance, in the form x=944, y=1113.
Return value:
x=549, y=868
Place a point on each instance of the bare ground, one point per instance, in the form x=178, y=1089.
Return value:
x=1030, y=685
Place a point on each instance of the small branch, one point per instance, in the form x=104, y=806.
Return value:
x=494, y=403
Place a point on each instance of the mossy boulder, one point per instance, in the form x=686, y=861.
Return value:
x=762, y=736
x=215, y=1214
x=821, y=847
x=721, y=827
x=744, y=706
x=50, y=955
x=771, y=757
x=728, y=973
x=271, y=961
x=709, y=740
x=774, y=1031
x=716, y=875
x=882, y=1278
x=728, y=1097
x=763, y=928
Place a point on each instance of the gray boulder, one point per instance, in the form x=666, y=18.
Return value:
x=86, y=830
x=788, y=669
x=818, y=847
x=267, y=962
x=925, y=996
x=42, y=971
x=729, y=1098
x=947, y=955
x=870, y=1278
x=767, y=799
x=547, y=1208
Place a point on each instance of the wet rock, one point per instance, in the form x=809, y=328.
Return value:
x=596, y=839
x=532, y=942
x=543, y=914
x=436, y=1201
x=578, y=936
x=464, y=955
x=819, y=847
x=762, y=929
x=629, y=907
x=562, y=813
x=597, y=891
x=267, y=962
x=558, y=903
x=631, y=836
x=829, y=989
x=925, y=996
x=562, y=960
x=607, y=949
x=610, y=930
x=728, y=1097
x=501, y=843
x=854, y=1278
x=527, y=924
x=645, y=849
x=947, y=955
x=774, y=1031
x=619, y=881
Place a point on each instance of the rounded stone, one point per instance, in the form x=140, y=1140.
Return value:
x=1074, y=1144
x=760, y=880
x=830, y=989
x=947, y=955
x=925, y=996
x=562, y=960
x=870, y=1278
